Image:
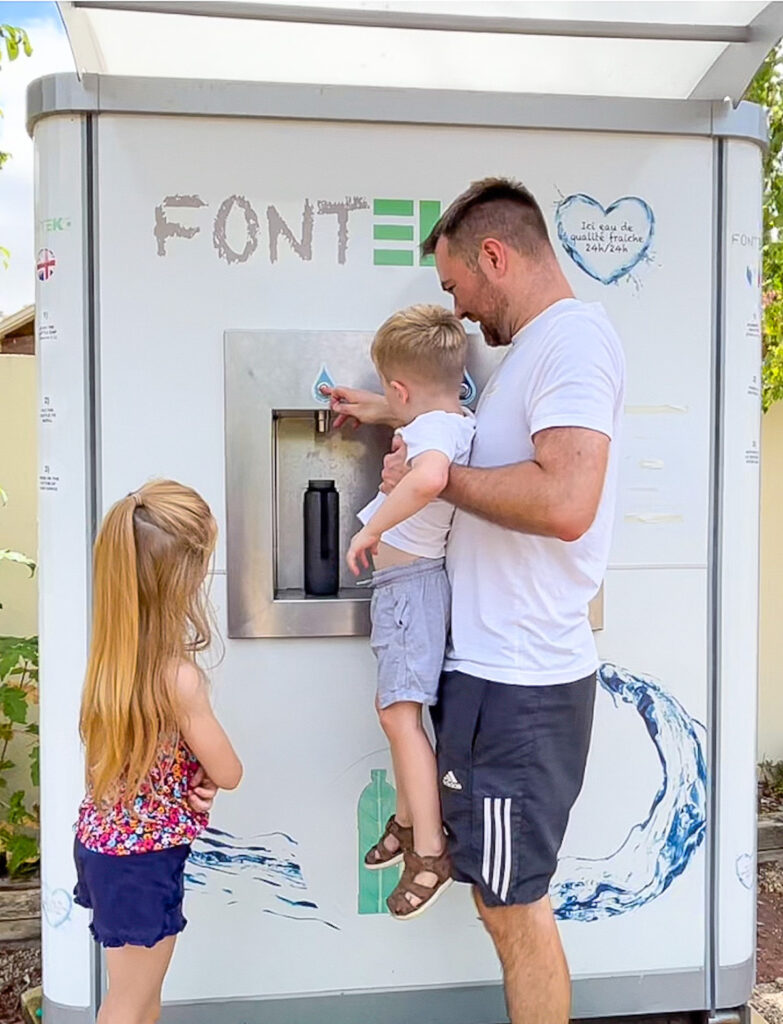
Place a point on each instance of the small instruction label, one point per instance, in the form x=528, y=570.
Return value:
x=47, y=413
x=46, y=330
x=48, y=480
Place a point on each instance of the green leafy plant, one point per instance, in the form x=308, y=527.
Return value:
x=19, y=825
x=767, y=89
x=18, y=696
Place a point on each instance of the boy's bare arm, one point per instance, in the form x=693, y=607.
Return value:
x=427, y=478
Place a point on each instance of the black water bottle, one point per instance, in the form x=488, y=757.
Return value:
x=321, y=538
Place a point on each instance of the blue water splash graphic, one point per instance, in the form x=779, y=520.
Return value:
x=658, y=849
x=468, y=391
x=324, y=378
x=222, y=865
x=605, y=242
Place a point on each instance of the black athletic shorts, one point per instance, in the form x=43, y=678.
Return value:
x=511, y=761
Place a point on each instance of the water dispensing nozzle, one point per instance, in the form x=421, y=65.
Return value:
x=323, y=421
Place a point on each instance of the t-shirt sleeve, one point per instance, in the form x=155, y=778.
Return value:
x=432, y=432
x=579, y=381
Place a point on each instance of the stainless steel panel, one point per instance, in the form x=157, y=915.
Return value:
x=275, y=442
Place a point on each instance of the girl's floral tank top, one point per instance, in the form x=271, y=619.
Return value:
x=160, y=817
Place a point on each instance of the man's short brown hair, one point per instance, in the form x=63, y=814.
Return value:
x=427, y=342
x=491, y=208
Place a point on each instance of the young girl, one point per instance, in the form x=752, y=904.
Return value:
x=150, y=737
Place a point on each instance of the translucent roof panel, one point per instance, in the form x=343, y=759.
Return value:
x=667, y=50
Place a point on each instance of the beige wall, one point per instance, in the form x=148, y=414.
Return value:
x=771, y=612
x=18, y=520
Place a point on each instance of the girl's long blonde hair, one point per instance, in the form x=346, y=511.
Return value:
x=149, y=611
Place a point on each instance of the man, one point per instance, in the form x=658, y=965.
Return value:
x=527, y=552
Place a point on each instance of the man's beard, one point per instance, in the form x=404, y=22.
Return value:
x=493, y=337
x=494, y=324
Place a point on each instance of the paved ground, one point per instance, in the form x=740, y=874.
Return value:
x=20, y=969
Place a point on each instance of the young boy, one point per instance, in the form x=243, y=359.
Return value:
x=420, y=357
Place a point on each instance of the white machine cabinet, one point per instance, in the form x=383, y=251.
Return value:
x=226, y=250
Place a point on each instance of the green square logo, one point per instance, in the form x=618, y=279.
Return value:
x=399, y=228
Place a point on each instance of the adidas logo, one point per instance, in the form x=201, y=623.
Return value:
x=451, y=781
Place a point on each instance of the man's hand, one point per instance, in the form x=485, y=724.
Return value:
x=202, y=792
x=362, y=542
x=354, y=406
x=394, y=465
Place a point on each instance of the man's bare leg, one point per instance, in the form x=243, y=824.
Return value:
x=535, y=972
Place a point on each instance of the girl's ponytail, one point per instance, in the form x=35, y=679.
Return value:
x=108, y=699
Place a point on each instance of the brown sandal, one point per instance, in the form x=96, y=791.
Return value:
x=398, y=903
x=380, y=856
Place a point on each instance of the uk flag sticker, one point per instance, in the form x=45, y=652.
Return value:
x=45, y=263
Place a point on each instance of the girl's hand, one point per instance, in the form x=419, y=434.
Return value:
x=365, y=540
x=202, y=792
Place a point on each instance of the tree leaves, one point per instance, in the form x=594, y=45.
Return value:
x=767, y=89
x=18, y=656
x=15, y=39
x=13, y=701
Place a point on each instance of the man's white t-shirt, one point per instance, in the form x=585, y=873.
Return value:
x=424, y=534
x=520, y=602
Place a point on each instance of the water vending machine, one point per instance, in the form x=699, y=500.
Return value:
x=232, y=247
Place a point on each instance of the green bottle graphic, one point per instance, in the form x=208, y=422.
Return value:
x=376, y=805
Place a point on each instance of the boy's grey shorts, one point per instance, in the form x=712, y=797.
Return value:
x=411, y=616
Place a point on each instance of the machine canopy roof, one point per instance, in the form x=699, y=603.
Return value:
x=652, y=50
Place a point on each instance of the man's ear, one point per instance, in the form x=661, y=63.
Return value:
x=493, y=257
x=400, y=390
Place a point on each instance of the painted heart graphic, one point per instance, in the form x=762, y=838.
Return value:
x=605, y=242
x=57, y=906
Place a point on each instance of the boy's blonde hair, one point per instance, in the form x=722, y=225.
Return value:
x=149, y=612
x=426, y=342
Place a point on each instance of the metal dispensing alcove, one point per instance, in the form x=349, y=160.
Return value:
x=233, y=244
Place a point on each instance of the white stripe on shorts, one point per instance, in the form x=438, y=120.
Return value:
x=506, y=848
x=487, y=838
x=497, y=837
x=497, y=845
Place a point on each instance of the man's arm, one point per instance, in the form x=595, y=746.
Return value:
x=556, y=494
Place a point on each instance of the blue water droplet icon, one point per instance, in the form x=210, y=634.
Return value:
x=467, y=390
x=749, y=276
x=323, y=380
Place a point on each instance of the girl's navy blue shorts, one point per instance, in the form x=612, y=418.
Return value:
x=511, y=761
x=136, y=899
